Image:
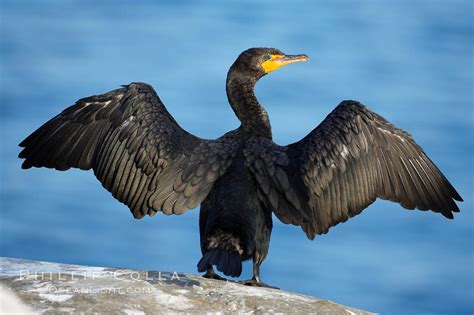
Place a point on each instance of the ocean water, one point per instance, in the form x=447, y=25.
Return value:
x=410, y=61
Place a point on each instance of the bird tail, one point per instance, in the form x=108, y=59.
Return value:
x=223, y=251
x=226, y=261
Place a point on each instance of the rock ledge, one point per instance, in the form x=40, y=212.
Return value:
x=44, y=287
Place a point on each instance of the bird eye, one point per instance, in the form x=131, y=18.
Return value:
x=267, y=56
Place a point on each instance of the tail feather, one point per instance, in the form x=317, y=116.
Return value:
x=206, y=260
x=226, y=261
x=235, y=263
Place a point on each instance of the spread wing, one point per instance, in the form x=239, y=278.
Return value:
x=136, y=149
x=353, y=157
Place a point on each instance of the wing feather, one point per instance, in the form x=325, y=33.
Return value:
x=136, y=149
x=353, y=157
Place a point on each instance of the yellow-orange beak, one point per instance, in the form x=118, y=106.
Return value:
x=278, y=61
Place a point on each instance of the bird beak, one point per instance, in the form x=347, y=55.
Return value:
x=278, y=61
x=287, y=59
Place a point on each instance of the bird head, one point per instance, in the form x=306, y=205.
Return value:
x=254, y=63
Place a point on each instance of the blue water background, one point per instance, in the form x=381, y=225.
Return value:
x=411, y=61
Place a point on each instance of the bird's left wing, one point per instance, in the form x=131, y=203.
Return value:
x=353, y=157
x=136, y=149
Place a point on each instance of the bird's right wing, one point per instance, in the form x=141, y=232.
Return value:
x=353, y=157
x=136, y=149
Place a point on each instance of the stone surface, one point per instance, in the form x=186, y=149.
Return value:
x=59, y=288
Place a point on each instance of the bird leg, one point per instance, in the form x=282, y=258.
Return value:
x=210, y=274
x=255, y=281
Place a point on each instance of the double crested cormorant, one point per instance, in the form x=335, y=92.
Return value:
x=148, y=162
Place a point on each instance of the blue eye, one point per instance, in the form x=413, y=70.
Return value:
x=268, y=57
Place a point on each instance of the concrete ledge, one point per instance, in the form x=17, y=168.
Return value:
x=42, y=287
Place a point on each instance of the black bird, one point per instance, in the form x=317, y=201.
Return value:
x=148, y=162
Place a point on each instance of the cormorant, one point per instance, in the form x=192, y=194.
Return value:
x=148, y=162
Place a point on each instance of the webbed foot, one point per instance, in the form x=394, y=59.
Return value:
x=210, y=274
x=257, y=283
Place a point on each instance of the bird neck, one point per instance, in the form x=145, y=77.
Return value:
x=241, y=95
